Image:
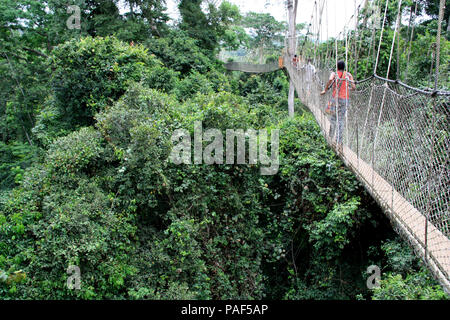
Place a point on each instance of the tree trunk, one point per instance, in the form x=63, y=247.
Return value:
x=261, y=54
x=366, y=16
x=291, y=98
x=448, y=24
x=292, y=8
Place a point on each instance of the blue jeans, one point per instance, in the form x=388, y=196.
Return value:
x=339, y=117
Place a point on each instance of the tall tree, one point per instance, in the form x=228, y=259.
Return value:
x=292, y=9
x=208, y=28
x=150, y=12
x=266, y=32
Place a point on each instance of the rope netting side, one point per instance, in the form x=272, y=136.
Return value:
x=397, y=141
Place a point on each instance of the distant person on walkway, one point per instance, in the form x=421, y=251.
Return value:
x=310, y=72
x=295, y=61
x=310, y=68
x=343, y=82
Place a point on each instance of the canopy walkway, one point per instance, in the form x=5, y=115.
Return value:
x=396, y=141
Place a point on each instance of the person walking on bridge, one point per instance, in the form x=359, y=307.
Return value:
x=342, y=82
x=310, y=72
x=310, y=69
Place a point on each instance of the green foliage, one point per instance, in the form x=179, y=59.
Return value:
x=330, y=234
x=14, y=158
x=321, y=215
x=71, y=154
x=138, y=226
x=90, y=74
x=208, y=28
x=179, y=52
x=23, y=67
x=235, y=37
x=268, y=89
x=416, y=286
x=400, y=258
x=404, y=276
x=266, y=33
x=61, y=217
x=146, y=18
x=197, y=83
x=193, y=84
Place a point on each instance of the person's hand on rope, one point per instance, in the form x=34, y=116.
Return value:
x=327, y=86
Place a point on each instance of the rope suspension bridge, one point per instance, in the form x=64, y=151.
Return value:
x=396, y=140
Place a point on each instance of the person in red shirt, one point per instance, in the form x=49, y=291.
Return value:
x=342, y=82
x=295, y=61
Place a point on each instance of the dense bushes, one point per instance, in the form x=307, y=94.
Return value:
x=405, y=277
x=91, y=74
x=179, y=52
x=62, y=217
x=14, y=158
x=138, y=226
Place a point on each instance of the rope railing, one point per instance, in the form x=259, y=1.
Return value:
x=396, y=139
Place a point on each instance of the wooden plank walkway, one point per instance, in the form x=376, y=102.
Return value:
x=429, y=242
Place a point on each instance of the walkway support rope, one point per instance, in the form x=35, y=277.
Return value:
x=252, y=68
